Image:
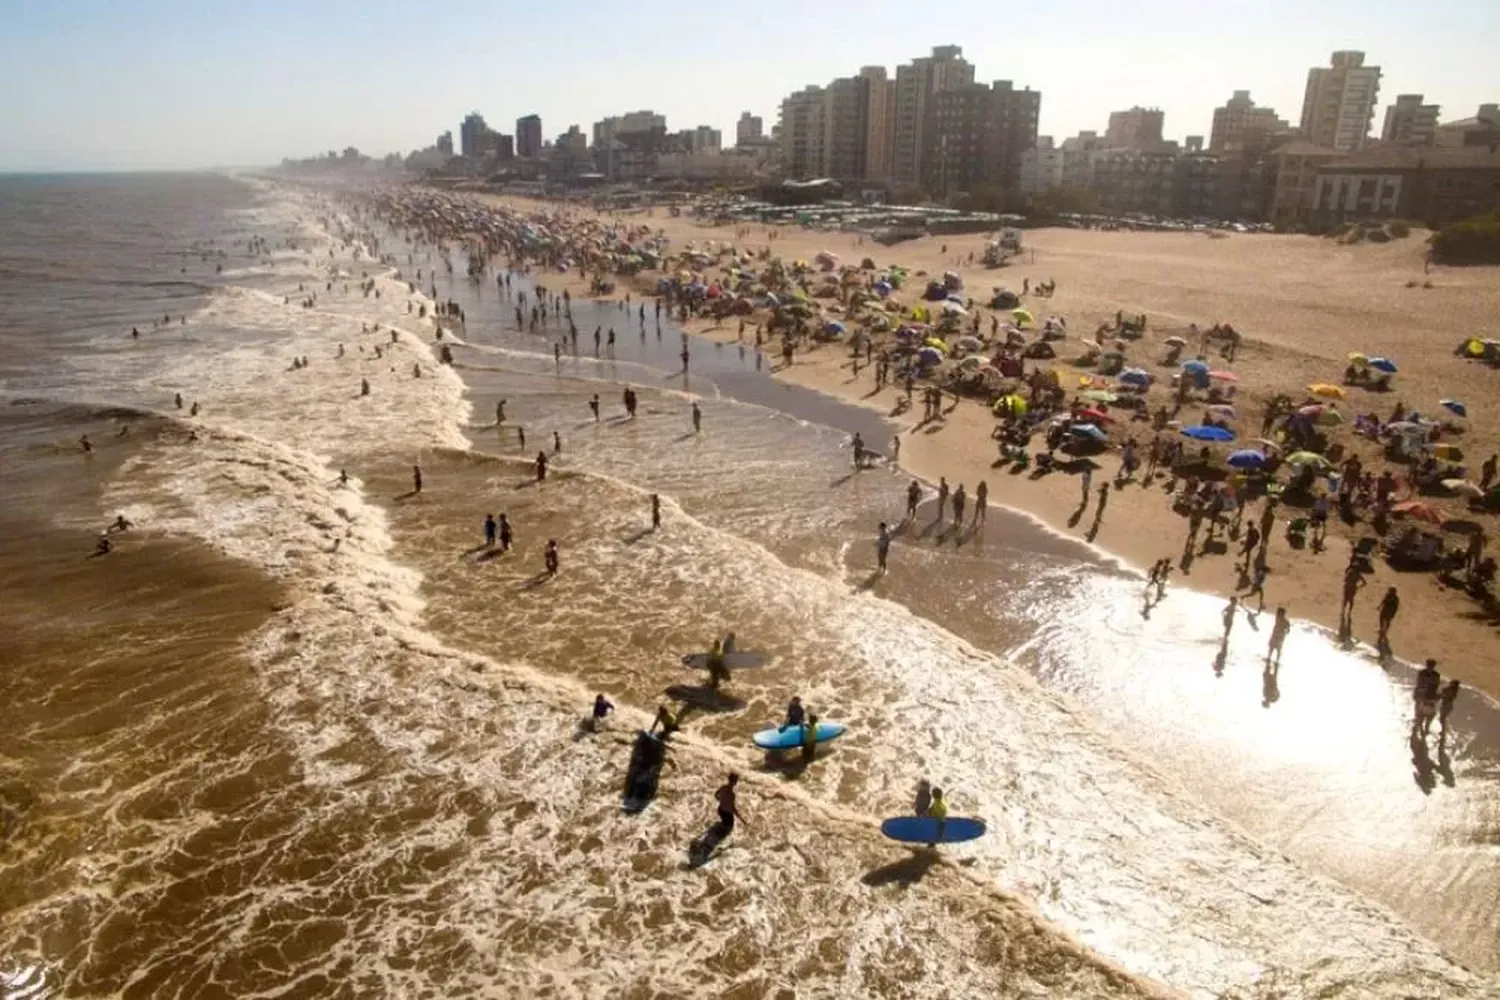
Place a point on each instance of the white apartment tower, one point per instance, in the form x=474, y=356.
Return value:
x=1338, y=107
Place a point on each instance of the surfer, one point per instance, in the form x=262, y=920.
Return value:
x=666, y=719
x=795, y=714
x=718, y=672
x=728, y=805
x=809, y=738
x=938, y=810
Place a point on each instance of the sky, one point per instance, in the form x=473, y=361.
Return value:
x=167, y=84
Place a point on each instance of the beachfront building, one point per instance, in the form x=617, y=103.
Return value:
x=1137, y=128
x=529, y=137
x=916, y=82
x=803, y=131
x=1409, y=122
x=880, y=123
x=1481, y=130
x=1239, y=126
x=477, y=140
x=633, y=123
x=1435, y=186
x=750, y=129
x=1292, y=170
x=626, y=147
x=1041, y=166
x=570, y=155
x=1078, y=154
x=1338, y=106
x=707, y=165
x=444, y=145
x=976, y=135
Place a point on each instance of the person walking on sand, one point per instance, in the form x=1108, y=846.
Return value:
x=416, y=479
x=655, y=511
x=1280, y=629
x=1425, y=695
x=1446, y=698
x=549, y=557
x=1389, y=605
x=882, y=547
x=981, y=501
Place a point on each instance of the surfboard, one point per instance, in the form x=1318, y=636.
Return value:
x=791, y=739
x=924, y=829
x=738, y=660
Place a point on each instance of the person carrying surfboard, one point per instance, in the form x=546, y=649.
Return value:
x=794, y=714
x=923, y=804
x=718, y=672
x=938, y=810
x=809, y=738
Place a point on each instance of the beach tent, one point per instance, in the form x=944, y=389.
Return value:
x=1308, y=458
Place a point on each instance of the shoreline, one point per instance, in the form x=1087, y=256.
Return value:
x=1140, y=525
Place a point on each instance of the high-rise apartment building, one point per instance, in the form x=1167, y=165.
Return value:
x=803, y=131
x=879, y=131
x=977, y=135
x=1137, y=128
x=1409, y=122
x=1241, y=127
x=474, y=136
x=916, y=82
x=529, y=137
x=445, y=144
x=1041, y=166
x=1339, y=104
x=749, y=129
x=636, y=122
x=1481, y=130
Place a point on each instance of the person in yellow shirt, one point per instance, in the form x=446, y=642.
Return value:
x=938, y=810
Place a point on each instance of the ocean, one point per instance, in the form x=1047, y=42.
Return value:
x=294, y=736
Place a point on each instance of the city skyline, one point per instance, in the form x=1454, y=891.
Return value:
x=248, y=86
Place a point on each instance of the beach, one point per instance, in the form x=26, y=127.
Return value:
x=302, y=730
x=1303, y=304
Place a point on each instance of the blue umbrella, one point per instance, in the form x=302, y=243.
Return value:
x=1089, y=430
x=1205, y=433
x=930, y=355
x=1384, y=364
x=1134, y=376
x=1455, y=406
x=1195, y=367
x=833, y=327
x=1247, y=459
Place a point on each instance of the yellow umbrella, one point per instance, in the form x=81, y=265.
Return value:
x=1021, y=316
x=937, y=342
x=1358, y=358
x=1324, y=389
x=1012, y=404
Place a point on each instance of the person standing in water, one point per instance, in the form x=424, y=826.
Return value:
x=500, y=413
x=981, y=501
x=490, y=528
x=810, y=738
x=416, y=479
x=913, y=500
x=541, y=466
x=882, y=547
x=1280, y=629
x=505, y=533
x=697, y=418
x=549, y=557
x=1389, y=605
x=959, y=499
x=602, y=707
x=728, y=805
x=1446, y=698
x=895, y=450
x=594, y=407
x=655, y=511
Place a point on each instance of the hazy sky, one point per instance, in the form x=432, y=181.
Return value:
x=132, y=84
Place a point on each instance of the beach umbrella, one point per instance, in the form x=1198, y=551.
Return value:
x=1454, y=406
x=1021, y=316
x=1224, y=376
x=1419, y=510
x=1384, y=364
x=1463, y=488
x=1324, y=389
x=1135, y=376
x=971, y=363
x=1247, y=458
x=1095, y=415
x=937, y=342
x=930, y=356
x=1330, y=417
x=1357, y=358
x=954, y=309
x=1089, y=430
x=1307, y=458
x=1175, y=342
x=1101, y=396
x=1205, y=433
x=1311, y=410
x=1012, y=404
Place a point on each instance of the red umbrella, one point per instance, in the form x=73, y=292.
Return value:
x=1096, y=415
x=1224, y=376
x=1419, y=510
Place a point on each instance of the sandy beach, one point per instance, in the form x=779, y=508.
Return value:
x=1301, y=304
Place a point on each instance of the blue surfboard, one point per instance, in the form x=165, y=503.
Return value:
x=791, y=738
x=924, y=829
